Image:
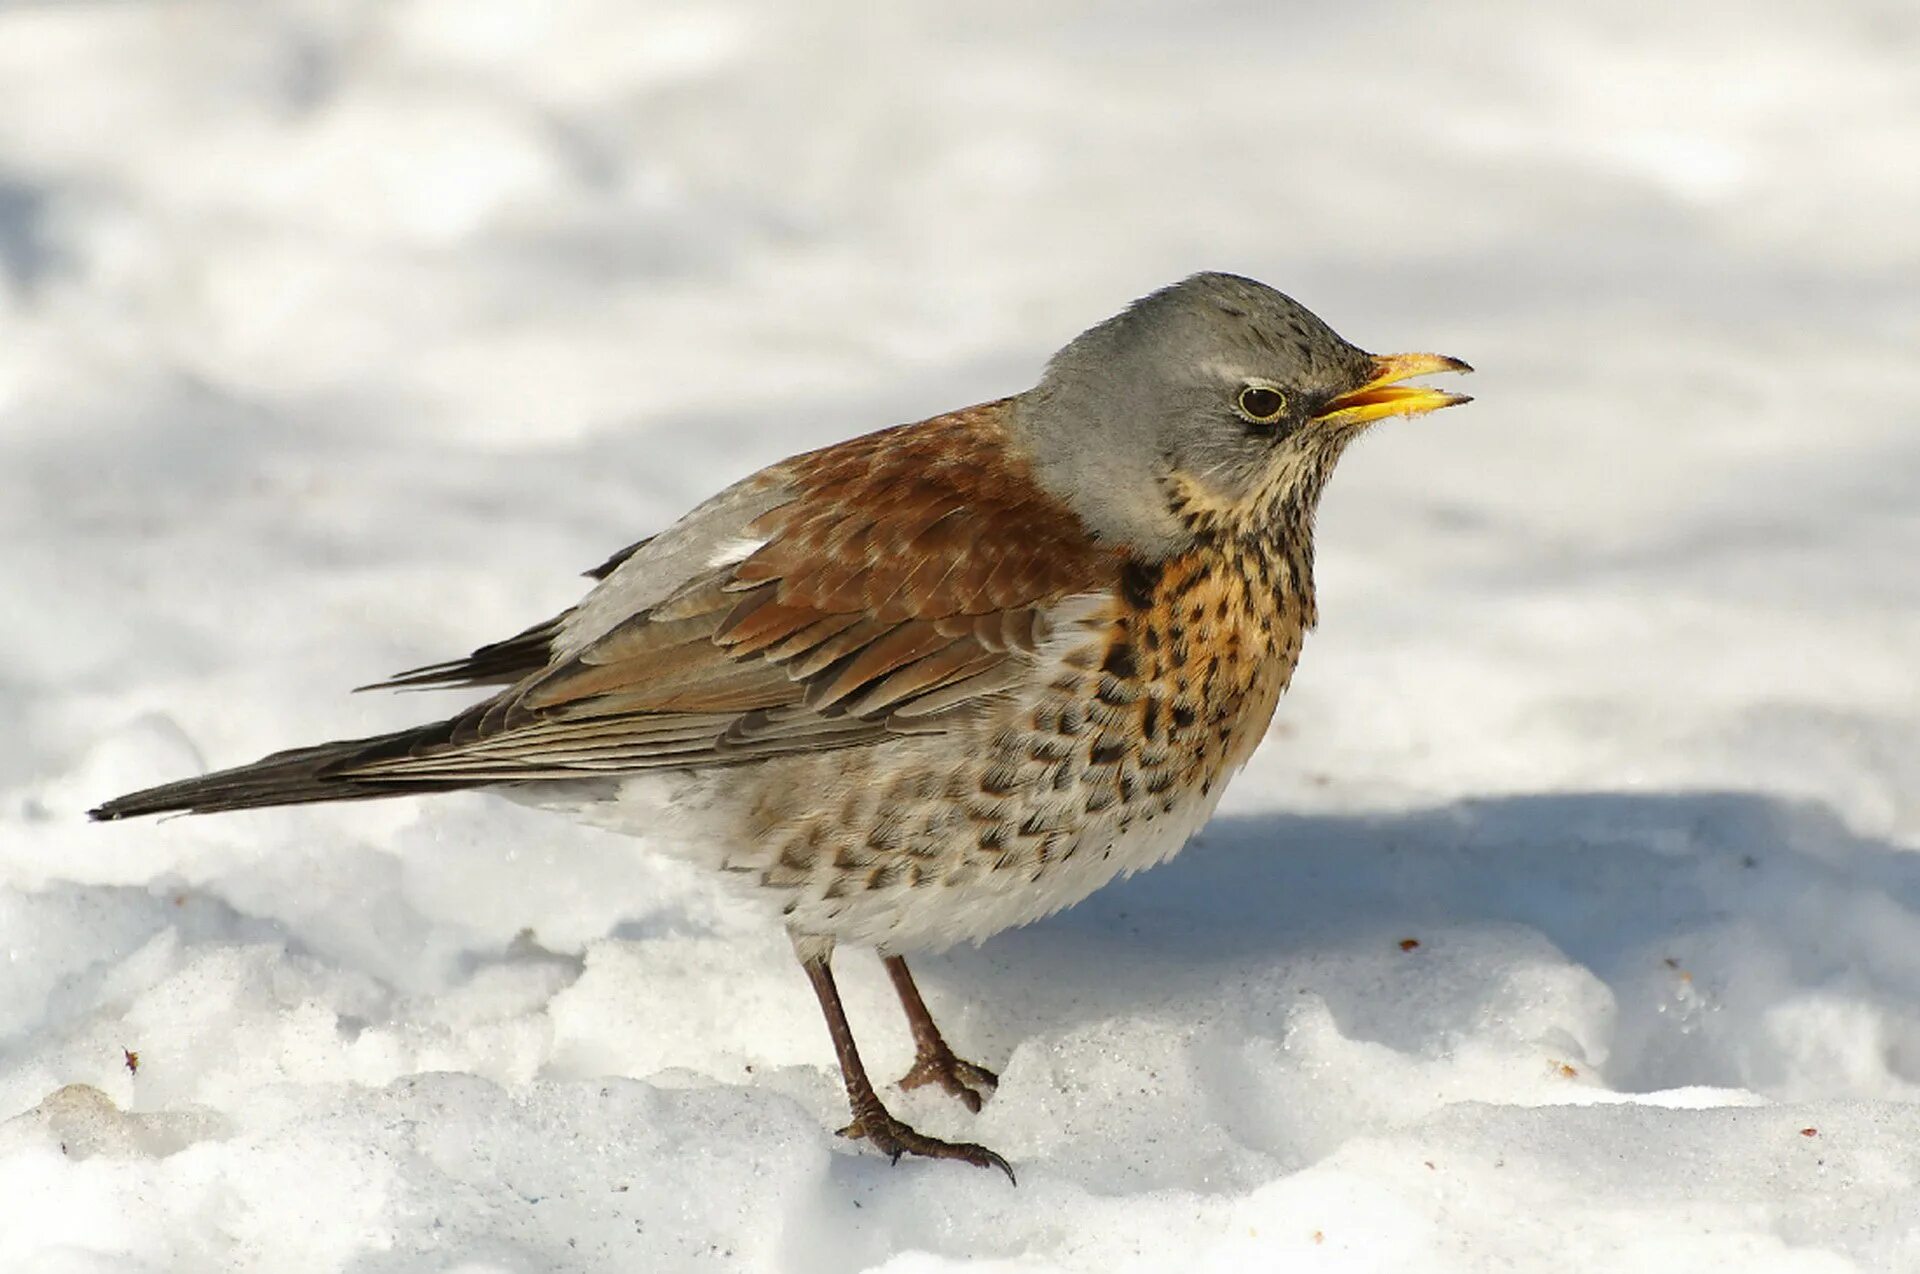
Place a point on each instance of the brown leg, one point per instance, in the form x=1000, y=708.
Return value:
x=871, y=1119
x=933, y=1061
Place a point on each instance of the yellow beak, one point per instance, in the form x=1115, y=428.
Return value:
x=1383, y=395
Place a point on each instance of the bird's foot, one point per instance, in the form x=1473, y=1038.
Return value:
x=892, y=1138
x=960, y=1077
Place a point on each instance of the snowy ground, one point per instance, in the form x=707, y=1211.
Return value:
x=335, y=337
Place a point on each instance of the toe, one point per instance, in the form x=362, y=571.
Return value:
x=893, y=1138
x=959, y=1077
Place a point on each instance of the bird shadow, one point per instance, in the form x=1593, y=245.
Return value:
x=1700, y=913
x=29, y=254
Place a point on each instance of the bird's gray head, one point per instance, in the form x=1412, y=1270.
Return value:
x=1216, y=402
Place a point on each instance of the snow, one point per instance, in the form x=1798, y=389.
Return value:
x=1568, y=920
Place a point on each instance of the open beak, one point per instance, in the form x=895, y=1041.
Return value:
x=1383, y=395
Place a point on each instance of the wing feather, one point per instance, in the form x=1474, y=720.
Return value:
x=893, y=581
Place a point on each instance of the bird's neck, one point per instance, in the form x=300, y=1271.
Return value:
x=1269, y=534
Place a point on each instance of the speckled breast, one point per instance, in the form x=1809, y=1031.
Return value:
x=1107, y=764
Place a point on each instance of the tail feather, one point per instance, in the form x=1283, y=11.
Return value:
x=297, y=777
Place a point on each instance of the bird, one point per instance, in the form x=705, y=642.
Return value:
x=935, y=681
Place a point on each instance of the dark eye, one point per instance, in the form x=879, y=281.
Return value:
x=1262, y=404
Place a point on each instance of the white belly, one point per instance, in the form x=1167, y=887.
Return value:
x=932, y=918
x=692, y=816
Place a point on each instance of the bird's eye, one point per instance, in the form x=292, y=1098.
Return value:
x=1261, y=404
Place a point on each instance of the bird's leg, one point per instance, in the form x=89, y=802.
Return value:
x=872, y=1120
x=933, y=1061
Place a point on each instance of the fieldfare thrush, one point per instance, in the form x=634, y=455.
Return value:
x=939, y=680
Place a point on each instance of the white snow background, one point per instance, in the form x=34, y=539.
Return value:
x=336, y=337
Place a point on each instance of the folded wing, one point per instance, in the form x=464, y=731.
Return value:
x=881, y=586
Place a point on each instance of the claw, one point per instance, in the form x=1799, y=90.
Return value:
x=893, y=1139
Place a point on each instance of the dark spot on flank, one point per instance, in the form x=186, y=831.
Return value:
x=1183, y=715
x=1138, y=580
x=1120, y=661
x=989, y=812
x=1106, y=752
x=1049, y=749
x=1000, y=780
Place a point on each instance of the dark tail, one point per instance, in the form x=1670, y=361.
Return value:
x=298, y=777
